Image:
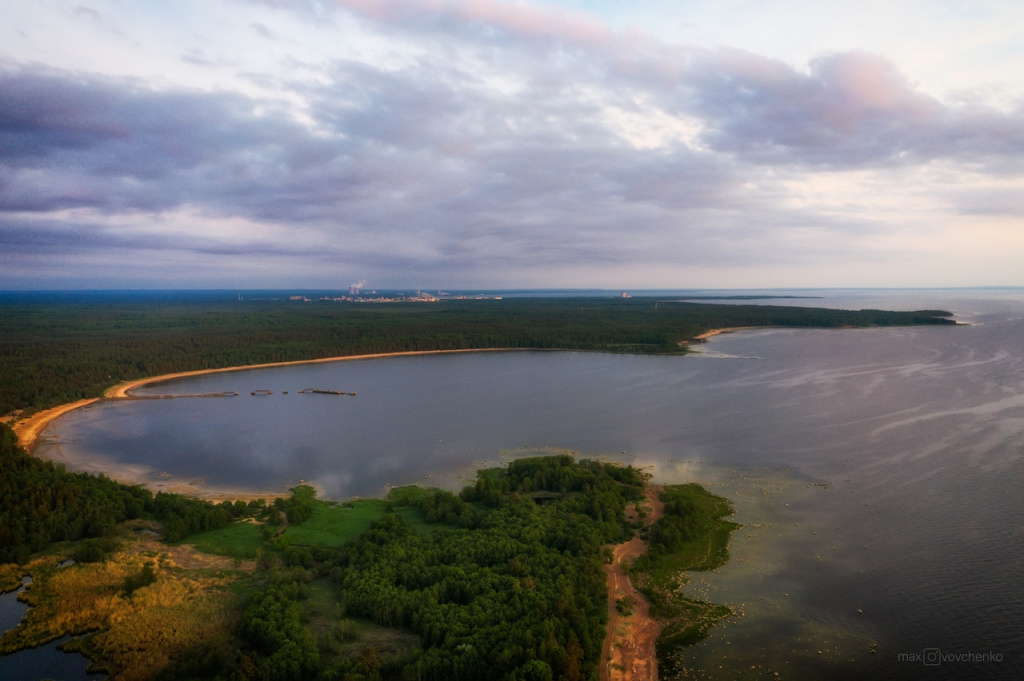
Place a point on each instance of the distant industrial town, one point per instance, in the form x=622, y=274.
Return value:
x=372, y=297
x=356, y=295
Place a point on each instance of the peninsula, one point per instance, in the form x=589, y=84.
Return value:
x=506, y=580
x=550, y=568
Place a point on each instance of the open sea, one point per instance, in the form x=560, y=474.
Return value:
x=877, y=473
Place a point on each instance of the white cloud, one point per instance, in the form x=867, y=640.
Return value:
x=479, y=142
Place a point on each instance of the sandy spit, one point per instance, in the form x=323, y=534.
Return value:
x=28, y=429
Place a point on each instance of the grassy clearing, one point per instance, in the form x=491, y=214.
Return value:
x=335, y=524
x=239, y=539
x=331, y=525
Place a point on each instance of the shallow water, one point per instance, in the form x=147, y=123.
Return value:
x=876, y=472
x=44, y=662
x=12, y=610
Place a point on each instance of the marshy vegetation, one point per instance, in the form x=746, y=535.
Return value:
x=692, y=535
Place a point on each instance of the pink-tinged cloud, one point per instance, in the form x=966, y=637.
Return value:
x=851, y=109
x=855, y=86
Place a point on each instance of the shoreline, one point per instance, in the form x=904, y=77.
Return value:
x=729, y=329
x=147, y=477
x=28, y=429
x=123, y=390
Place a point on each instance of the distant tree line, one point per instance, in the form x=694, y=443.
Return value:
x=58, y=350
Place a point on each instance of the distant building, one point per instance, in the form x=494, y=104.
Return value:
x=625, y=295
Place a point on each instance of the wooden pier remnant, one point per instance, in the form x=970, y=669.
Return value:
x=227, y=393
x=326, y=392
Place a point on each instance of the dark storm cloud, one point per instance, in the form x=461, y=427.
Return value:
x=69, y=141
x=44, y=237
x=117, y=146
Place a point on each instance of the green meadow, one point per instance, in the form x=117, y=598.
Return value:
x=332, y=524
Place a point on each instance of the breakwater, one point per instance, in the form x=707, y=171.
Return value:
x=228, y=393
x=326, y=392
x=232, y=393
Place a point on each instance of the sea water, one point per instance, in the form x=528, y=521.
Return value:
x=876, y=472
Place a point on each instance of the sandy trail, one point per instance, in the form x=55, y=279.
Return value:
x=628, y=653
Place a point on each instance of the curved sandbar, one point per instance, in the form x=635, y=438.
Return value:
x=28, y=429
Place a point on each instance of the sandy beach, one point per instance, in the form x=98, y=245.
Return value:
x=28, y=429
x=123, y=390
x=714, y=332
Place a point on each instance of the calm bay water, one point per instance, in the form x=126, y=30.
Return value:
x=877, y=472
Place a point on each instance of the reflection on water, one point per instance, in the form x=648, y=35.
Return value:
x=13, y=610
x=45, y=662
x=876, y=472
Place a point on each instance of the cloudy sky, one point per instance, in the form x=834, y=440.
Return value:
x=489, y=143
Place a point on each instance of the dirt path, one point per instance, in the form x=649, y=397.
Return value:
x=628, y=653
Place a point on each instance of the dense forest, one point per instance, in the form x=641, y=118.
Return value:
x=504, y=580
x=508, y=585
x=56, y=349
x=42, y=503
